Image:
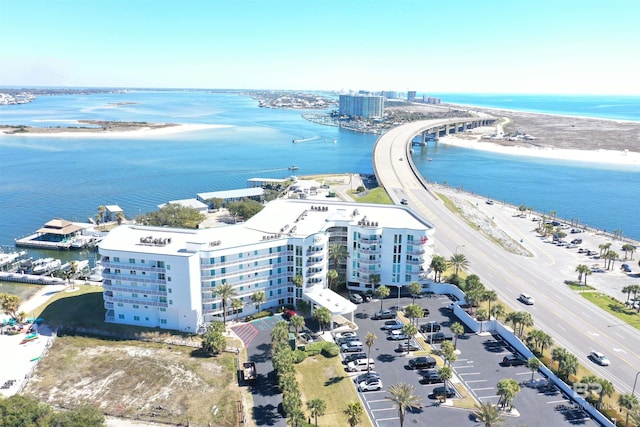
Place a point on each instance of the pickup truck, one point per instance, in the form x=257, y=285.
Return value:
x=249, y=371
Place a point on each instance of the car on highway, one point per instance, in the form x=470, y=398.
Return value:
x=422, y=362
x=384, y=314
x=403, y=347
x=431, y=376
x=430, y=327
x=599, y=358
x=404, y=202
x=372, y=384
x=513, y=360
x=447, y=391
x=354, y=356
x=352, y=347
x=526, y=299
x=356, y=298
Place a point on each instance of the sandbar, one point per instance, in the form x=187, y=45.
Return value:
x=142, y=131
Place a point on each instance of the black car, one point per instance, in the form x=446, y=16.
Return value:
x=431, y=377
x=442, y=391
x=425, y=312
x=430, y=327
x=422, y=362
x=439, y=337
x=354, y=356
x=384, y=314
x=513, y=360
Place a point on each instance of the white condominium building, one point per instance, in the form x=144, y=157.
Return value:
x=163, y=277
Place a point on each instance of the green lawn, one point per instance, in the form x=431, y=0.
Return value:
x=325, y=378
x=377, y=195
x=614, y=307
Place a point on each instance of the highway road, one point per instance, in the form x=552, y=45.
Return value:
x=572, y=321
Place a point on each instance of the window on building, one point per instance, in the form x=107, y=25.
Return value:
x=120, y=304
x=163, y=321
x=132, y=260
x=117, y=271
x=170, y=302
x=162, y=308
x=168, y=267
x=169, y=279
x=134, y=295
x=163, y=299
x=146, y=318
x=170, y=290
x=136, y=318
x=116, y=259
x=136, y=306
x=132, y=272
x=160, y=264
x=120, y=316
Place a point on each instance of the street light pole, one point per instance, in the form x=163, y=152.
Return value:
x=459, y=246
x=634, y=383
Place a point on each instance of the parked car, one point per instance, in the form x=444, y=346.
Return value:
x=344, y=334
x=394, y=327
x=371, y=384
x=366, y=376
x=344, y=340
x=626, y=268
x=425, y=312
x=422, y=362
x=354, y=356
x=361, y=365
x=448, y=392
x=404, y=347
x=352, y=347
x=526, y=299
x=384, y=314
x=437, y=337
x=576, y=241
x=431, y=377
x=430, y=327
x=398, y=337
x=356, y=298
x=513, y=360
x=288, y=314
x=576, y=231
x=306, y=337
x=599, y=358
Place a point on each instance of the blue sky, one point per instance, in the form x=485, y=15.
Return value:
x=483, y=46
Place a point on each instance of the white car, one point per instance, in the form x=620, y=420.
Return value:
x=599, y=358
x=345, y=334
x=370, y=384
x=526, y=299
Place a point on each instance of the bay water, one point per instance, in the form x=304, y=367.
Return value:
x=69, y=177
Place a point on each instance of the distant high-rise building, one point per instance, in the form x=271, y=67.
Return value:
x=430, y=100
x=411, y=95
x=390, y=94
x=367, y=106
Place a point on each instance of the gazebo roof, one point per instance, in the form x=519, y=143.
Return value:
x=59, y=226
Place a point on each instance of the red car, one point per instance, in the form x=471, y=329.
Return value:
x=288, y=314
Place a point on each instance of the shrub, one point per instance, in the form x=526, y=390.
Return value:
x=259, y=315
x=299, y=356
x=330, y=349
x=314, y=348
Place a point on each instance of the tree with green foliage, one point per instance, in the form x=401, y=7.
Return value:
x=582, y=270
x=236, y=305
x=413, y=312
x=297, y=322
x=10, y=305
x=323, y=316
x=332, y=277
x=374, y=279
x=402, y=396
x=489, y=297
x=415, y=290
x=439, y=266
x=259, y=298
x=409, y=330
x=458, y=262
x=354, y=413
x=533, y=364
x=213, y=341
x=23, y=411
x=448, y=352
x=317, y=408
x=508, y=388
x=446, y=373
x=280, y=332
x=458, y=330
x=369, y=340
x=244, y=209
x=498, y=311
x=297, y=280
x=628, y=248
x=101, y=211
x=82, y=416
x=172, y=215
x=215, y=203
x=225, y=291
x=488, y=414
x=337, y=255
x=627, y=401
x=382, y=292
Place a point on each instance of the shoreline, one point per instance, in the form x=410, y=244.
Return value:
x=140, y=132
x=596, y=156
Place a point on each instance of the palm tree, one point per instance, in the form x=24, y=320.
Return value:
x=323, y=316
x=409, y=330
x=525, y=321
x=448, y=352
x=627, y=401
x=498, y=311
x=382, y=292
x=457, y=262
x=413, y=312
x=489, y=296
x=280, y=332
x=374, y=279
x=337, y=255
x=439, y=266
x=332, y=276
x=457, y=330
x=316, y=407
x=606, y=389
x=226, y=291
x=101, y=212
x=534, y=365
x=403, y=398
x=369, y=340
x=582, y=269
x=507, y=390
x=488, y=413
x=628, y=248
x=446, y=373
x=609, y=257
x=258, y=298
x=354, y=413
x=119, y=217
x=586, y=274
x=415, y=289
x=236, y=305
x=297, y=322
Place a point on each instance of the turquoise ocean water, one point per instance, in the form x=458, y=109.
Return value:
x=46, y=177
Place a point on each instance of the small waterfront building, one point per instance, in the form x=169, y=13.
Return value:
x=196, y=204
x=167, y=278
x=274, y=183
x=111, y=213
x=255, y=193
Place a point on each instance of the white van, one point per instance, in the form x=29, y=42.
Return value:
x=360, y=365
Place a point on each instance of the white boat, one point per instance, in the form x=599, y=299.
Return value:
x=45, y=265
x=96, y=273
x=10, y=258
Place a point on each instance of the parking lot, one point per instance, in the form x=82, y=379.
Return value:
x=477, y=372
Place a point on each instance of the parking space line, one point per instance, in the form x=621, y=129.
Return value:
x=523, y=373
x=471, y=373
x=487, y=397
x=553, y=402
x=391, y=408
x=476, y=381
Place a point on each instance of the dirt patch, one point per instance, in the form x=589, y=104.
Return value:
x=144, y=381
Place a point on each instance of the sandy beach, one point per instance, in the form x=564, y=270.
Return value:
x=598, y=156
x=139, y=132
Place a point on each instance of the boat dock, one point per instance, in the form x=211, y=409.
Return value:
x=33, y=279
